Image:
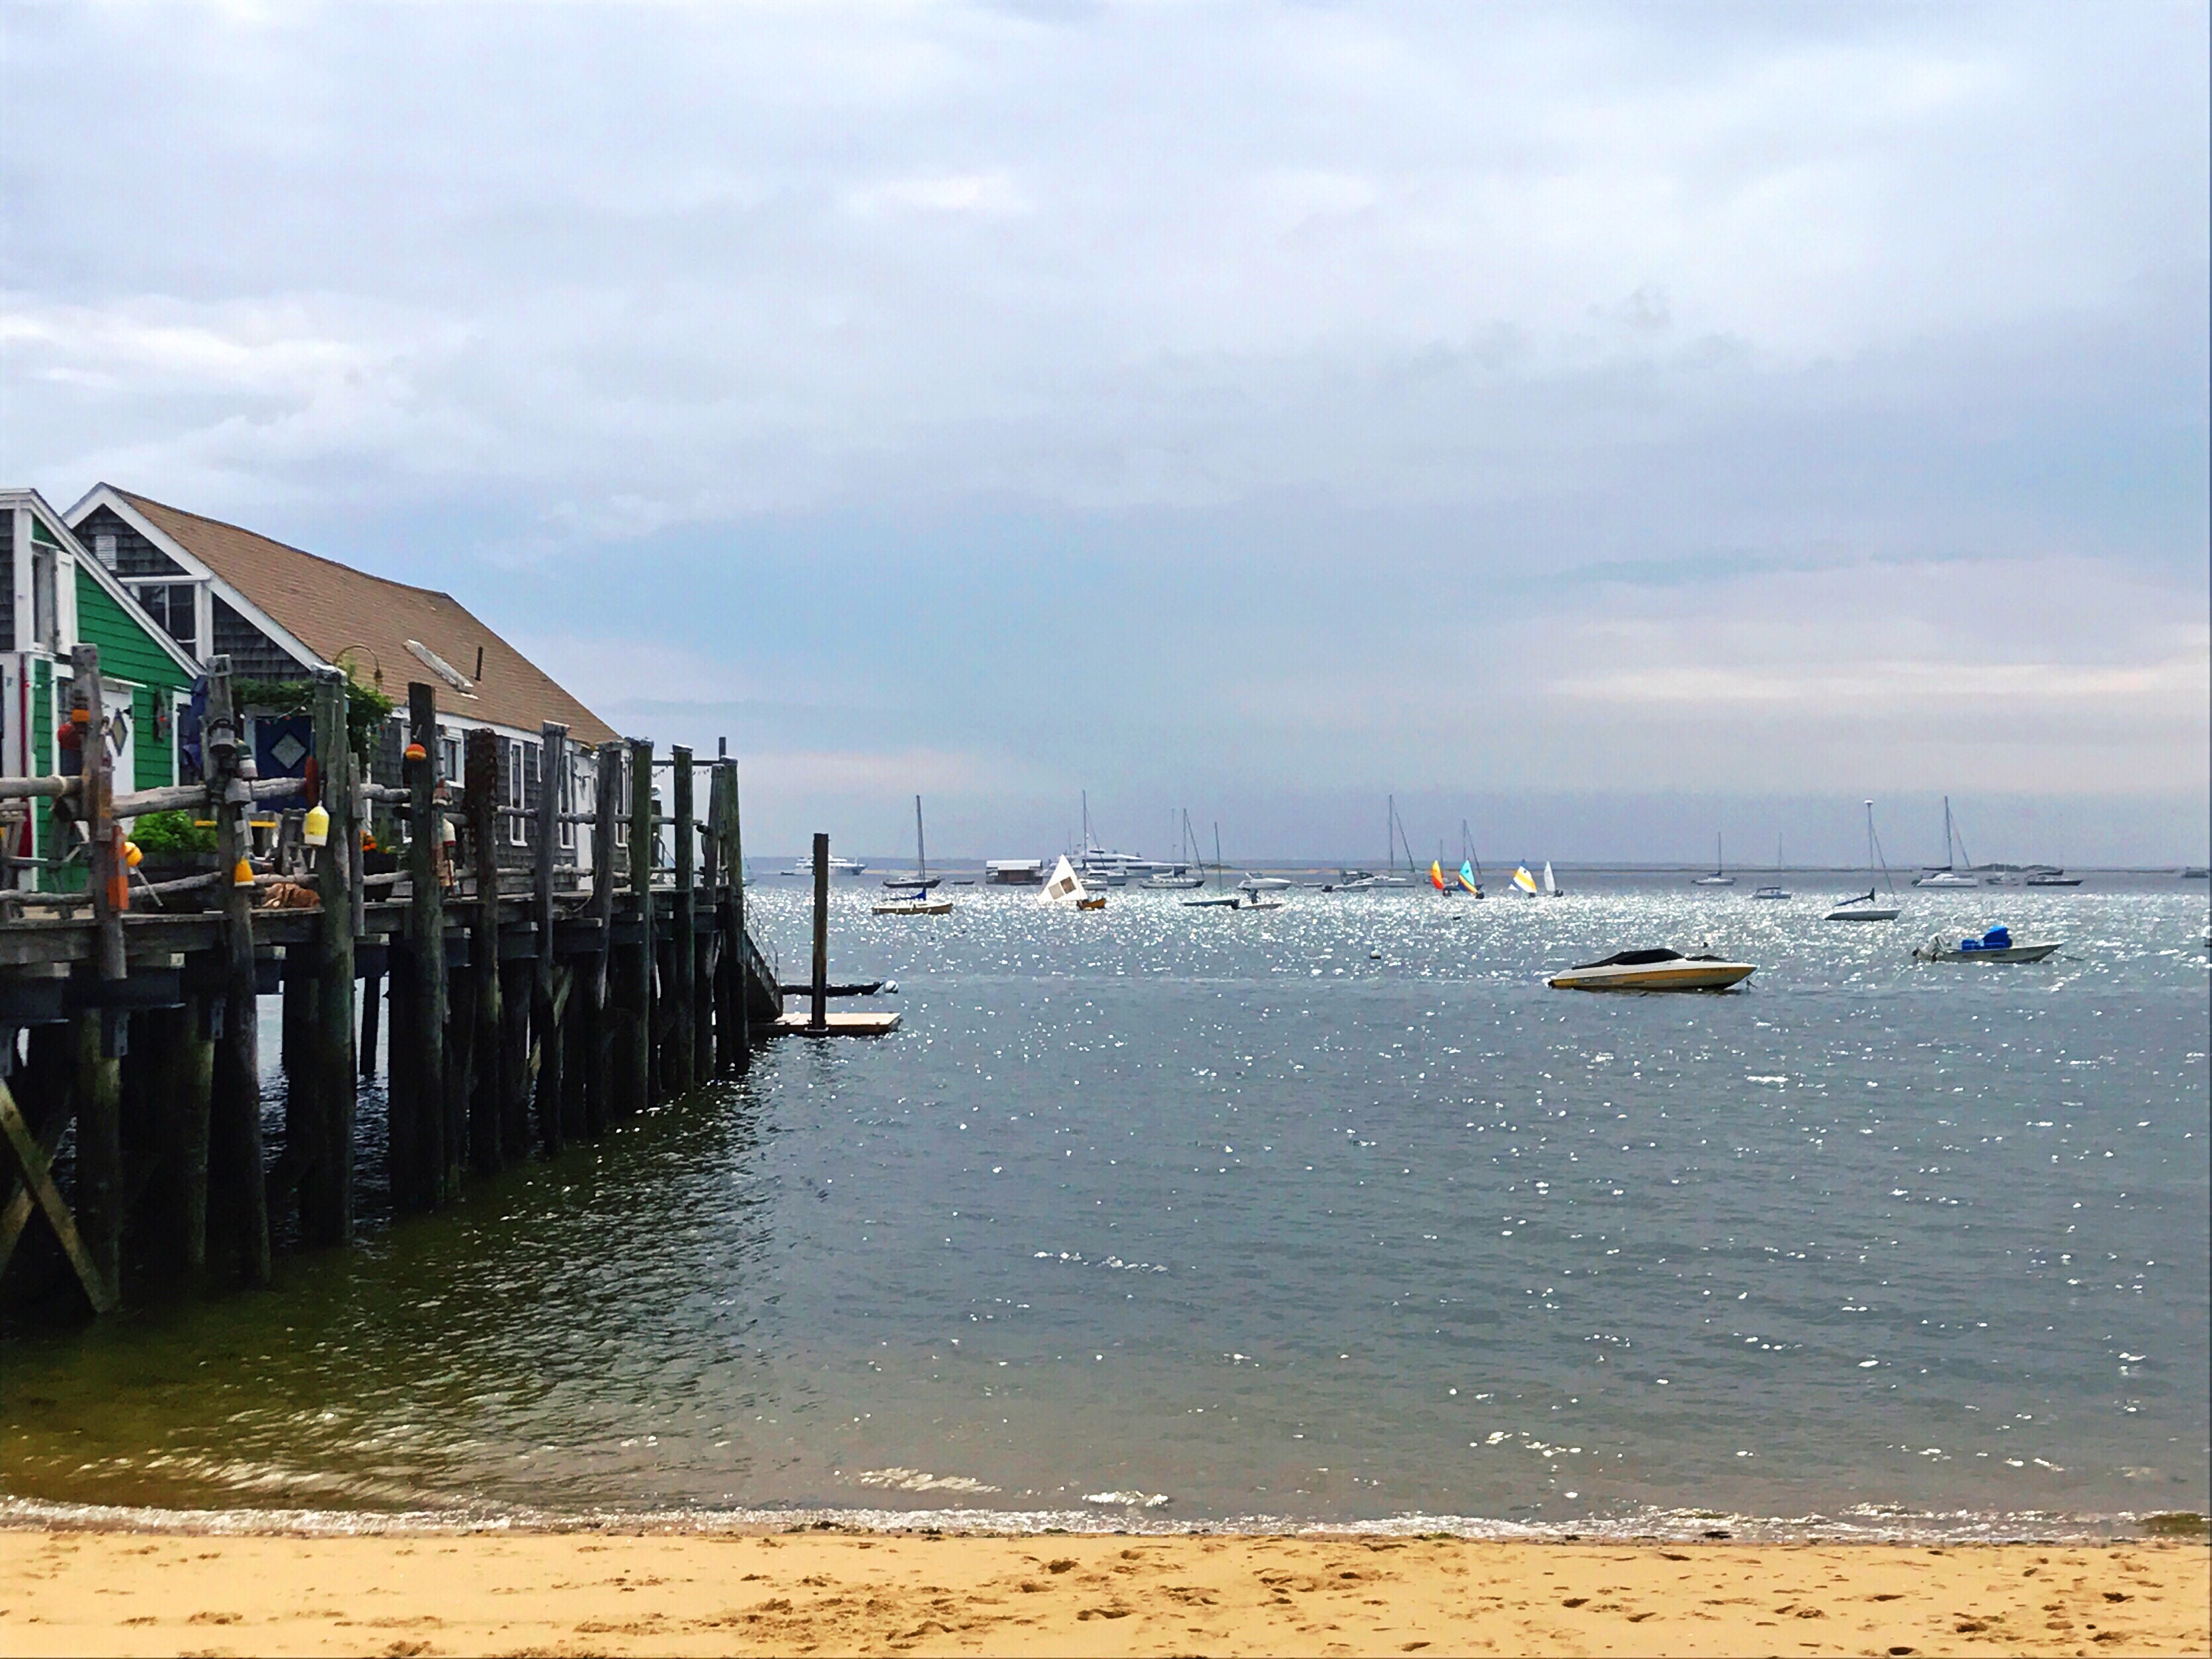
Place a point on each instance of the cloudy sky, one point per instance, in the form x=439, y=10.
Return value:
x=1608, y=424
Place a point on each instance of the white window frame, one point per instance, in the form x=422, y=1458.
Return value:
x=518, y=826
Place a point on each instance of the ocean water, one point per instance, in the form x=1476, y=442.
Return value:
x=1332, y=1215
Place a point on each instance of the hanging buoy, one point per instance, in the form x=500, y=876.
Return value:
x=132, y=856
x=415, y=751
x=241, y=875
x=316, y=827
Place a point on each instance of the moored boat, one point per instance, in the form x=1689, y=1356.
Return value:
x=1066, y=889
x=1653, y=970
x=1996, y=945
x=1865, y=907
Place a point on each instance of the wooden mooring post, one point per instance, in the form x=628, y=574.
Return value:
x=602, y=1003
x=818, y=1018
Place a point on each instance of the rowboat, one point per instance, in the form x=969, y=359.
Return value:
x=1653, y=970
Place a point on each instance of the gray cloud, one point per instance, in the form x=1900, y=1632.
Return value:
x=1351, y=380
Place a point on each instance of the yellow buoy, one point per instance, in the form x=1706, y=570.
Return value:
x=318, y=825
x=242, y=875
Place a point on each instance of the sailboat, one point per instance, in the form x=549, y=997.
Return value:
x=1720, y=877
x=1363, y=881
x=1948, y=875
x=911, y=895
x=1101, y=866
x=1525, y=882
x=1552, y=888
x=1470, y=867
x=1065, y=888
x=1181, y=876
x=1865, y=907
x=1218, y=899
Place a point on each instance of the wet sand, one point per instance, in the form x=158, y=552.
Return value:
x=73, y=1592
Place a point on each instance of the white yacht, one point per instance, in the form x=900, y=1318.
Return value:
x=1365, y=881
x=911, y=895
x=1720, y=877
x=838, y=866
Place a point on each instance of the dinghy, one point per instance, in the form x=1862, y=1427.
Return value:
x=1065, y=888
x=1525, y=882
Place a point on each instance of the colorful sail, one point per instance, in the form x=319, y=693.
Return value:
x=1467, y=878
x=1437, y=877
x=1524, y=881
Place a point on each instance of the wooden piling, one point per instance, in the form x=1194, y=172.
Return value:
x=100, y=1199
x=634, y=1067
x=415, y=1091
x=678, y=1068
x=235, y=1130
x=326, y=1181
x=552, y=772
x=818, y=1021
x=606, y=817
x=187, y=1139
x=480, y=773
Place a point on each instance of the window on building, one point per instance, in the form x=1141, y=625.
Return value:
x=518, y=758
x=46, y=607
x=175, y=606
x=571, y=792
x=449, y=755
x=103, y=548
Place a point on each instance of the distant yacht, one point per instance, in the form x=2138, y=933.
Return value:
x=1720, y=877
x=1948, y=874
x=1773, y=889
x=1181, y=876
x=910, y=895
x=1865, y=907
x=1101, y=866
x=837, y=866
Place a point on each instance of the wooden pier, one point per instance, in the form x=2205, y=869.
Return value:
x=523, y=1009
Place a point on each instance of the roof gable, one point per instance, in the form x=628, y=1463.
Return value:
x=333, y=610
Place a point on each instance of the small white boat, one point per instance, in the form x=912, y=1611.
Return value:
x=1720, y=877
x=912, y=895
x=838, y=866
x=1994, y=945
x=1771, y=893
x=1552, y=888
x=1653, y=970
x=1948, y=874
x=1865, y=907
x=1185, y=875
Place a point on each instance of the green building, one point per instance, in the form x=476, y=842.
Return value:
x=53, y=597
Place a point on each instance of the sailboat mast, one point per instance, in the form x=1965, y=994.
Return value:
x=920, y=858
x=1217, y=852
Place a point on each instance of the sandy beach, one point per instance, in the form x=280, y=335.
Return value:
x=93, y=1592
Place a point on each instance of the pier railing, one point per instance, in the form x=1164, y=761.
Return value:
x=528, y=1008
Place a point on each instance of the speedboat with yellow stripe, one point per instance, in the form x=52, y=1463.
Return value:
x=1653, y=970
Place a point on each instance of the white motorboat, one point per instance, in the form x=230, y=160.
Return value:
x=914, y=896
x=805, y=867
x=1865, y=907
x=1948, y=874
x=1653, y=970
x=1997, y=945
x=1720, y=877
x=1771, y=893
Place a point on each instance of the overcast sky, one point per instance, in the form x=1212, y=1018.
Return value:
x=1608, y=424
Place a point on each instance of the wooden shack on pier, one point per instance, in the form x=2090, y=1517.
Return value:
x=279, y=613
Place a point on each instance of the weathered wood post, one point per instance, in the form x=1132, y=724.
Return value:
x=678, y=1069
x=634, y=1071
x=818, y=1021
x=552, y=775
x=480, y=765
x=326, y=1184
x=236, y=1127
x=102, y=1031
x=738, y=940
x=417, y=1088
x=184, y=1136
x=714, y=1035
x=357, y=878
x=606, y=817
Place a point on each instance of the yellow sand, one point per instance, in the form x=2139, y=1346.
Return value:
x=77, y=1592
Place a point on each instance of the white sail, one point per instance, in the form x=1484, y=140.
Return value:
x=1524, y=881
x=1065, y=887
x=1551, y=883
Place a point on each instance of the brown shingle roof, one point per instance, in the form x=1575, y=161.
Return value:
x=329, y=607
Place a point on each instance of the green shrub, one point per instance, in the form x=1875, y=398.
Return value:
x=171, y=834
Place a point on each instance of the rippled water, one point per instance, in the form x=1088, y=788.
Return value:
x=1332, y=1213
